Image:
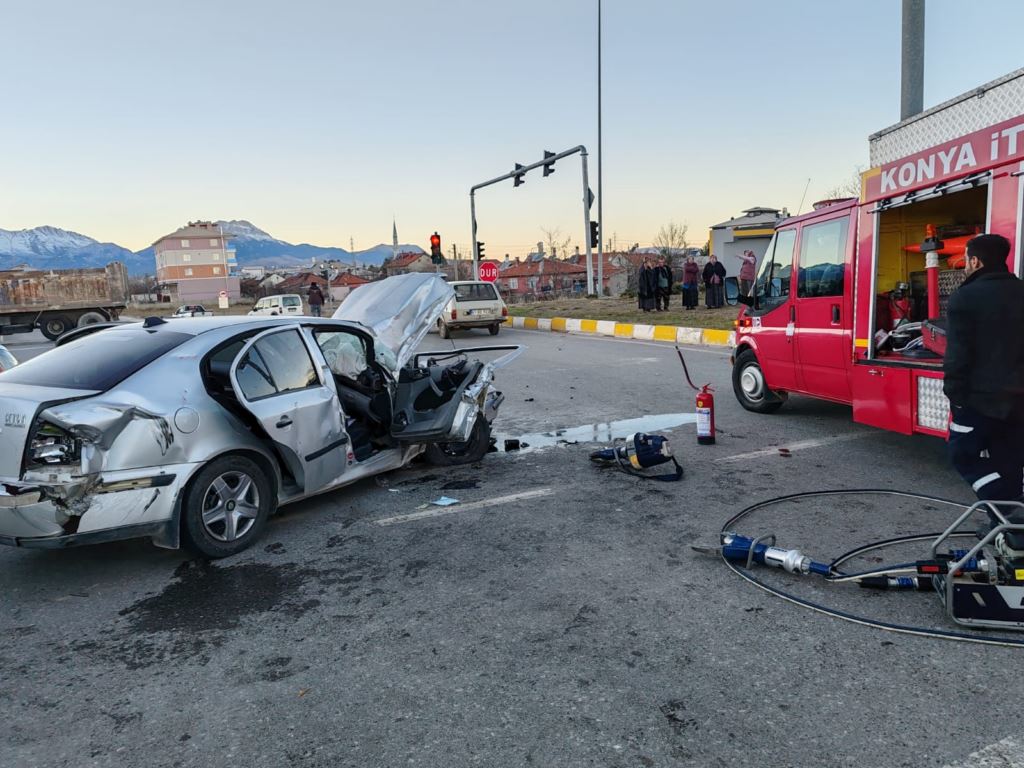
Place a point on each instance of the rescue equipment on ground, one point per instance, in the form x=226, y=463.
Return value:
x=705, y=407
x=640, y=451
x=981, y=587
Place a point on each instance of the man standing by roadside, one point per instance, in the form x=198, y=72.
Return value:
x=747, y=271
x=316, y=300
x=984, y=373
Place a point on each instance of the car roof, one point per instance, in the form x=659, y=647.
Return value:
x=195, y=326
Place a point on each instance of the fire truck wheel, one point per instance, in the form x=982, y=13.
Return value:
x=750, y=387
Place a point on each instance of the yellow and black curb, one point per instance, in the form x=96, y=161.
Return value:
x=673, y=333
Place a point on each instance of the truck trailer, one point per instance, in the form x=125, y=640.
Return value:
x=55, y=301
x=849, y=301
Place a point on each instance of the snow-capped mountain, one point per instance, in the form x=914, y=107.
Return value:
x=54, y=248
x=246, y=231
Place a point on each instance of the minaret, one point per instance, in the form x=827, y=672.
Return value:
x=394, y=239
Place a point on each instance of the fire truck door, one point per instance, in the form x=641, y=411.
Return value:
x=823, y=328
x=772, y=322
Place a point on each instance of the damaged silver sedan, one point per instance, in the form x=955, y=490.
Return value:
x=193, y=432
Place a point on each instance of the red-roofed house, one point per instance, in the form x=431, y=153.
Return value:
x=344, y=284
x=408, y=261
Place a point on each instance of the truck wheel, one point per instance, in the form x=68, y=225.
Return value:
x=750, y=387
x=226, y=507
x=91, y=318
x=494, y=329
x=469, y=452
x=54, y=326
x=443, y=330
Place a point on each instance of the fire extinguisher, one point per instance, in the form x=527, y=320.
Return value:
x=706, y=416
x=705, y=407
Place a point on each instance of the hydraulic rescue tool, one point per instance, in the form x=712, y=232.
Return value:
x=981, y=587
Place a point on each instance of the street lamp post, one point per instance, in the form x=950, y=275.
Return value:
x=600, y=190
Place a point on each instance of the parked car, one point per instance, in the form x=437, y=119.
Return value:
x=193, y=432
x=476, y=304
x=7, y=360
x=285, y=304
x=191, y=310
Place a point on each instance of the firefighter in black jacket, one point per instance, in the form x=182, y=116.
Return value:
x=984, y=372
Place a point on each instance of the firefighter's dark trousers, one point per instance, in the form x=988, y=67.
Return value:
x=988, y=454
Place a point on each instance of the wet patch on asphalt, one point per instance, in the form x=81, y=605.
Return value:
x=207, y=597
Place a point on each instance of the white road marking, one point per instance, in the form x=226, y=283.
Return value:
x=1008, y=753
x=721, y=352
x=441, y=511
x=797, y=446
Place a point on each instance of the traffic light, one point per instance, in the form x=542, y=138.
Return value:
x=479, y=250
x=435, y=249
x=595, y=236
x=549, y=168
x=519, y=178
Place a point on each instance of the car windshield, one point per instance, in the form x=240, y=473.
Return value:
x=95, y=362
x=475, y=292
x=6, y=360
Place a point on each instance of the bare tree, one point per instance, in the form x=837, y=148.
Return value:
x=558, y=246
x=848, y=188
x=671, y=238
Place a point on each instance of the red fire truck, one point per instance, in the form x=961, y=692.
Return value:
x=849, y=301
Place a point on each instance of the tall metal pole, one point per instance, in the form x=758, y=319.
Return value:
x=600, y=190
x=912, y=74
x=586, y=222
x=472, y=215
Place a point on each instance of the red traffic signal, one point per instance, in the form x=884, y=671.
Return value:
x=435, y=249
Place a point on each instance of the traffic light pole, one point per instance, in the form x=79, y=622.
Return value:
x=520, y=170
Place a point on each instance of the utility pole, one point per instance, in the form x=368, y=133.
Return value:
x=912, y=72
x=600, y=188
x=455, y=260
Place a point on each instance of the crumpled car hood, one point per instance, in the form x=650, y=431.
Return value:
x=399, y=310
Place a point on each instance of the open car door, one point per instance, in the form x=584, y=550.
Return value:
x=440, y=402
x=276, y=380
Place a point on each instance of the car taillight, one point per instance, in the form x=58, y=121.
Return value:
x=455, y=314
x=52, y=445
x=504, y=311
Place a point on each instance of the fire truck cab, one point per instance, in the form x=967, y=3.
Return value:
x=849, y=301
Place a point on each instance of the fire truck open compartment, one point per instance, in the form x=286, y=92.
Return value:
x=900, y=279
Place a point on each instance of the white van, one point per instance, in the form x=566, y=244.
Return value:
x=476, y=304
x=286, y=304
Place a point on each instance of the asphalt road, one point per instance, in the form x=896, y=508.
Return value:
x=571, y=627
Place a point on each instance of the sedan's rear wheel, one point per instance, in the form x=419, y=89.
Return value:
x=226, y=507
x=444, y=330
x=494, y=329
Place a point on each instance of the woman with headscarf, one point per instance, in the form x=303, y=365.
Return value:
x=647, y=286
x=714, y=283
x=691, y=278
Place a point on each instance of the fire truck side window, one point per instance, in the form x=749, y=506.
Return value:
x=772, y=286
x=823, y=259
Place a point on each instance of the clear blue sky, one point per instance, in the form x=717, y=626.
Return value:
x=319, y=120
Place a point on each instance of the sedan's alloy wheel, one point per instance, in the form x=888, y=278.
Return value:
x=230, y=506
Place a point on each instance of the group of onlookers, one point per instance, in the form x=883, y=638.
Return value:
x=655, y=280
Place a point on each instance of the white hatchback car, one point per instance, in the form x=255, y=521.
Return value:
x=286, y=304
x=476, y=304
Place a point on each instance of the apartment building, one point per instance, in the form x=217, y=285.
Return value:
x=194, y=263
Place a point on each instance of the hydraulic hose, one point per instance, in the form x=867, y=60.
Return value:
x=743, y=572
